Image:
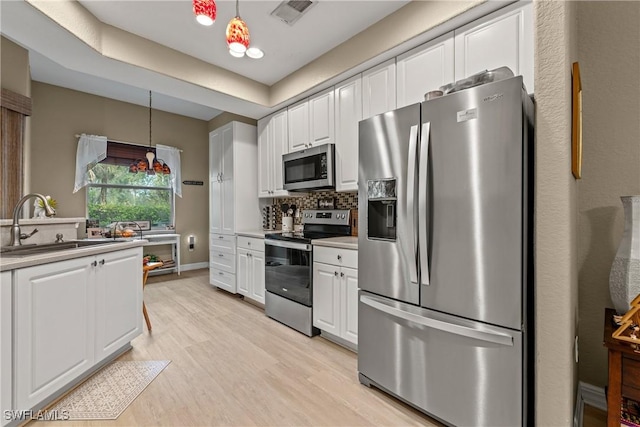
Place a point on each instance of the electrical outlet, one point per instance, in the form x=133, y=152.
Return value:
x=192, y=242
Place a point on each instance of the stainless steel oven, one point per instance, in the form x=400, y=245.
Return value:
x=309, y=169
x=289, y=268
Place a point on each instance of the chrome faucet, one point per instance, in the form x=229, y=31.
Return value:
x=16, y=236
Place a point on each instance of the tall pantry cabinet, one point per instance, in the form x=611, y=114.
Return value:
x=233, y=205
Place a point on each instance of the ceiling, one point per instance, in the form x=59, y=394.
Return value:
x=58, y=57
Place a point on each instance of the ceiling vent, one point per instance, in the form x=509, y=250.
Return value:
x=292, y=10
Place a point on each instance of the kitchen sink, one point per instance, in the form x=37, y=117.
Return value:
x=45, y=248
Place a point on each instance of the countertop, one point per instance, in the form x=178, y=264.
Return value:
x=44, y=221
x=342, y=242
x=11, y=262
x=257, y=233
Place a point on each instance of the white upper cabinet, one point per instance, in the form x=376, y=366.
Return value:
x=311, y=121
x=502, y=38
x=424, y=69
x=348, y=106
x=321, y=118
x=272, y=144
x=298, y=126
x=379, y=89
x=280, y=143
x=233, y=159
x=265, y=157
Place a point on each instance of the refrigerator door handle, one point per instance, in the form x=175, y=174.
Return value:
x=411, y=221
x=422, y=204
x=487, y=336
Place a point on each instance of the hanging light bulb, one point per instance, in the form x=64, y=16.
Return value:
x=237, y=35
x=205, y=11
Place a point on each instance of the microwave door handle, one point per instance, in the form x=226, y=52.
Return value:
x=411, y=215
x=423, y=208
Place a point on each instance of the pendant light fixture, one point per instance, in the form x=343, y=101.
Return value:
x=237, y=35
x=205, y=11
x=150, y=154
x=151, y=165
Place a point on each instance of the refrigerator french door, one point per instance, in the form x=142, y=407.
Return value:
x=444, y=309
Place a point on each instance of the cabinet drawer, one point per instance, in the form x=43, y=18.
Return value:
x=335, y=256
x=222, y=261
x=222, y=280
x=222, y=243
x=251, y=243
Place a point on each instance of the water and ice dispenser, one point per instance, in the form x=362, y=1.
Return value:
x=381, y=209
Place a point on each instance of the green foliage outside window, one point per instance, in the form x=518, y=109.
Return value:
x=115, y=194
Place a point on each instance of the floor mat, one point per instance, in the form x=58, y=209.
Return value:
x=108, y=392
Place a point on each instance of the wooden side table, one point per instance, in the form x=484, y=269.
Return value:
x=624, y=371
x=145, y=270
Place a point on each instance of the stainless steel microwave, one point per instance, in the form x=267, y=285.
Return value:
x=309, y=169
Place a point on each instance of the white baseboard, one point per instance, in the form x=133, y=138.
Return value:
x=593, y=396
x=194, y=266
x=588, y=395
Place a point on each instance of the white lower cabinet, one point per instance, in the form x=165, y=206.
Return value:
x=222, y=262
x=69, y=315
x=118, y=301
x=250, y=272
x=6, y=383
x=335, y=293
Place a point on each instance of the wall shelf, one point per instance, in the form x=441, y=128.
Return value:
x=165, y=239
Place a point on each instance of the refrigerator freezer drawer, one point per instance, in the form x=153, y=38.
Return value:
x=461, y=372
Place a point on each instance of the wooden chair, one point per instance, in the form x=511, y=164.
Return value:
x=145, y=273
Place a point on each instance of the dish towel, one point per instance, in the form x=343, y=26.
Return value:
x=92, y=149
x=171, y=157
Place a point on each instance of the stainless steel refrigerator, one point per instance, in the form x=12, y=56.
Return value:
x=445, y=256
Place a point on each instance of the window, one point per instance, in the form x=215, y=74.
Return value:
x=114, y=194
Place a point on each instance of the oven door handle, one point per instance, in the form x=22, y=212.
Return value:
x=289, y=245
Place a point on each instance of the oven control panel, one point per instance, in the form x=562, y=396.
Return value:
x=329, y=216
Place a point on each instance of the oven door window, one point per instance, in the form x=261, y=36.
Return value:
x=310, y=168
x=288, y=273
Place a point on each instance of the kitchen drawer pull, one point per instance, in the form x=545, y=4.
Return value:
x=339, y=257
x=220, y=254
x=335, y=273
x=341, y=274
x=102, y=262
x=221, y=273
x=94, y=264
x=220, y=237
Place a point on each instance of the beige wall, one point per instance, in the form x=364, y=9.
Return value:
x=15, y=74
x=59, y=114
x=609, y=55
x=226, y=117
x=555, y=214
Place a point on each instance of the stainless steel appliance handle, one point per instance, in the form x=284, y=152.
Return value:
x=289, y=245
x=493, y=337
x=411, y=220
x=423, y=217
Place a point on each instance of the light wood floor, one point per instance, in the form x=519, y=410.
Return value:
x=593, y=417
x=233, y=366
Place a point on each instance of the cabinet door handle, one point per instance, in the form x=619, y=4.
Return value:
x=341, y=274
x=339, y=257
x=221, y=273
x=220, y=237
x=220, y=254
x=102, y=262
x=249, y=243
x=335, y=273
x=94, y=264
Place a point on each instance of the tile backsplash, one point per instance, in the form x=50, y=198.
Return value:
x=310, y=201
